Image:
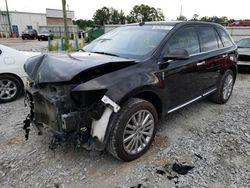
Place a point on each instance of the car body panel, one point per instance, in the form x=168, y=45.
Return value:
x=12, y=61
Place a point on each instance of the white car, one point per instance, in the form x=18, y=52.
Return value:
x=12, y=75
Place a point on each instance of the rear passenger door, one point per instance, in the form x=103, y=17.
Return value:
x=210, y=60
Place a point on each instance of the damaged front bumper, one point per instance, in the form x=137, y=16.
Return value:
x=81, y=116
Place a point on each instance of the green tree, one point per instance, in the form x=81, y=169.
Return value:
x=83, y=24
x=222, y=20
x=107, y=15
x=114, y=16
x=182, y=18
x=122, y=17
x=195, y=17
x=145, y=13
x=206, y=19
x=102, y=16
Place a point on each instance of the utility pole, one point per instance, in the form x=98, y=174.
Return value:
x=181, y=11
x=8, y=15
x=65, y=23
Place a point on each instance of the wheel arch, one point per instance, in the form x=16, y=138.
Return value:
x=149, y=95
x=153, y=98
x=146, y=94
x=234, y=69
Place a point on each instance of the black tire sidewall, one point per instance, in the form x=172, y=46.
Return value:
x=18, y=85
x=123, y=118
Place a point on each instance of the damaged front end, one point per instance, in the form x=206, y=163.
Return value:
x=60, y=107
x=67, y=115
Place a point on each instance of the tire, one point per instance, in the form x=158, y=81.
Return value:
x=23, y=38
x=10, y=88
x=117, y=146
x=224, y=91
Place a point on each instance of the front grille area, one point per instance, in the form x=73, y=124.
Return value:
x=46, y=112
x=244, y=58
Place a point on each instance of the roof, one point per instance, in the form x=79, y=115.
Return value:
x=173, y=23
x=19, y=12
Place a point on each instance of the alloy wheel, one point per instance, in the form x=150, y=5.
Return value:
x=8, y=89
x=228, y=86
x=138, y=132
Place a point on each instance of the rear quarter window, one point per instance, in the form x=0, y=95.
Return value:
x=227, y=42
x=208, y=38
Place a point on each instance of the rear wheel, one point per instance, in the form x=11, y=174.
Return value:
x=132, y=129
x=10, y=88
x=225, y=88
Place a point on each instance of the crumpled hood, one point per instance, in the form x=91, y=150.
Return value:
x=57, y=67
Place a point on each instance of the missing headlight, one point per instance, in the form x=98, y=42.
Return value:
x=87, y=98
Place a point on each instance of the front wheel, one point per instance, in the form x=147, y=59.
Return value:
x=225, y=88
x=132, y=129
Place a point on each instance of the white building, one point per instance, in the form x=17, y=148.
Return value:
x=26, y=20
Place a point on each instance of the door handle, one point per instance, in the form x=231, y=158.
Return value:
x=200, y=63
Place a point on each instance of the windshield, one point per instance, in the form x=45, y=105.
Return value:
x=244, y=43
x=130, y=41
x=44, y=31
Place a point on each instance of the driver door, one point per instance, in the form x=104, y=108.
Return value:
x=180, y=76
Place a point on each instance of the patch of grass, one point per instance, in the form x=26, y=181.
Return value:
x=54, y=47
x=71, y=48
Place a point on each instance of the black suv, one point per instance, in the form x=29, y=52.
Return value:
x=111, y=95
x=29, y=34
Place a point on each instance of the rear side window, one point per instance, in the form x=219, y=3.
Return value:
x=225, y=38
x=187, y=39
x=208, y=39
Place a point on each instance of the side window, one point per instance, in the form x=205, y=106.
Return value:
x=185, y=38
x=208, y=39
x=225, y=38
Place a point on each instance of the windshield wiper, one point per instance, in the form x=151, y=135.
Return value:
x=103, y=39
x=82, y=50
x=106, y=53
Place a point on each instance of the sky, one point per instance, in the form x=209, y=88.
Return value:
x=85, y=9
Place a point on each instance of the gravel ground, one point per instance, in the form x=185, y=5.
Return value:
x=210, y=142
x=214, y=139
x=25, y=45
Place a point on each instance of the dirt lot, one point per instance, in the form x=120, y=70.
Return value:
x=25, y=45
x=213, y=139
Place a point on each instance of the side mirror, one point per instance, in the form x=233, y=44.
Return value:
x=176, y=54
